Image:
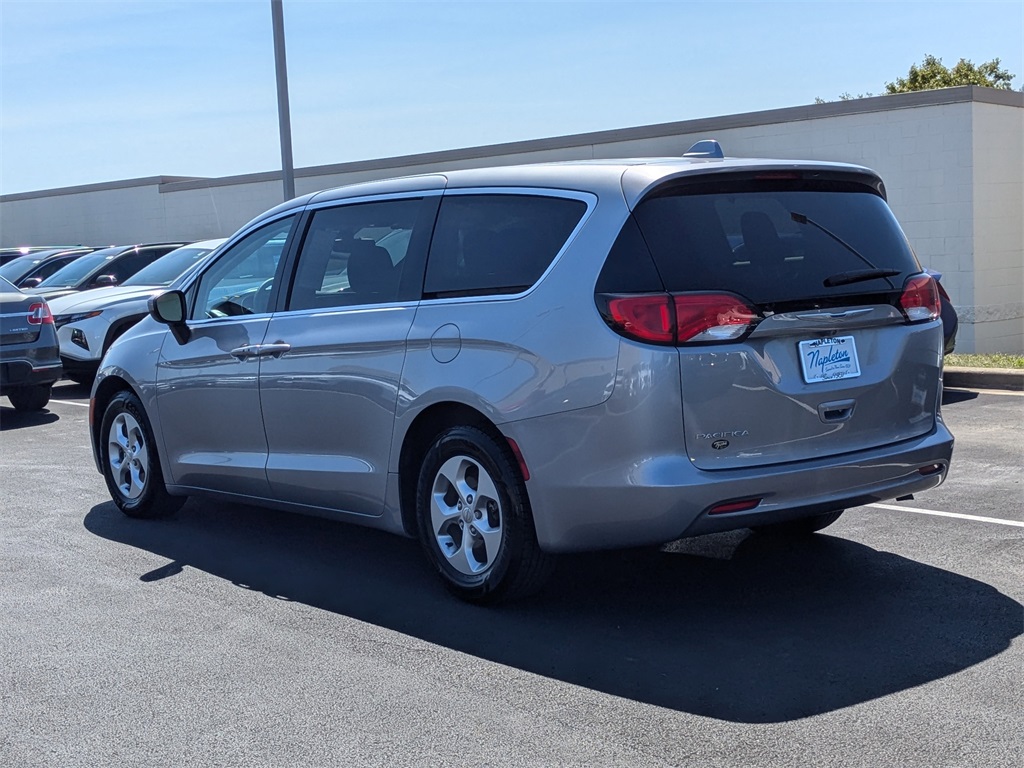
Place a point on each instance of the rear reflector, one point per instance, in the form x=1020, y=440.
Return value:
x=734, y=506
x=682, y=318
x=931, y=469
x=519, y=457
x=920, y=299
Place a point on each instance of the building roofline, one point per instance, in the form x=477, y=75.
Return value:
x=145, y=181
x=704, y=125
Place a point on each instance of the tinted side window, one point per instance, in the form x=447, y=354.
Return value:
x=629, y=267
x=491, y=244
x=239, y=282
x=124, y=267
x=50, y=266
x=355, y=254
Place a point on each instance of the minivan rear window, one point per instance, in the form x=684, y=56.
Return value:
x=496, y=243
x=775, y=242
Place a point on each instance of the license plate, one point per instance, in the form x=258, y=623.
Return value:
x=829, y=359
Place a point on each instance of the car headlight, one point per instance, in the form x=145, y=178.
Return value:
x=62, y=320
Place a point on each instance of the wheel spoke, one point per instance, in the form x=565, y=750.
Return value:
x=491, y=538
x=128, y=455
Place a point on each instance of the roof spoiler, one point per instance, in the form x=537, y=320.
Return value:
x=708, y=148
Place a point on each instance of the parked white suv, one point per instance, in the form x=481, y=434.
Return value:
x=88, y=322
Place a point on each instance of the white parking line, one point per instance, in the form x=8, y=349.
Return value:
x=68, y=402
x=977, y=518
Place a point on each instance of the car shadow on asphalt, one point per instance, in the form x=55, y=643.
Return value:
x=740, y=627
x=953, y=396
x=14, y=419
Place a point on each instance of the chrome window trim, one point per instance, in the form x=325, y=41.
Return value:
x=380, y=197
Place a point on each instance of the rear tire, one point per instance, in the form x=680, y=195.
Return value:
x=474, y=519
x=32, y=398
x=131, y=464
x=801, y=526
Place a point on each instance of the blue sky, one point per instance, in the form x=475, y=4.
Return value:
x=102, y=91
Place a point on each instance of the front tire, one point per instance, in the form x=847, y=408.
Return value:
x=32, y=398
x=131, y=465
x=474, y=518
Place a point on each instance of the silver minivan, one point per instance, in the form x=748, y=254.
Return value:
x=509, y=363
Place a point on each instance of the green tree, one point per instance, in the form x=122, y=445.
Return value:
x=932, y=73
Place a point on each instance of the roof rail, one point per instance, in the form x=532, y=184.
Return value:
x=708, y=148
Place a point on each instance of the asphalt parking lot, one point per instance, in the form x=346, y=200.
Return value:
x=230, y=635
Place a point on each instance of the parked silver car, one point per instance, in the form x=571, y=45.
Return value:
x=509, y=363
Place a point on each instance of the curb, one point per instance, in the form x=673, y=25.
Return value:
x=984, y=378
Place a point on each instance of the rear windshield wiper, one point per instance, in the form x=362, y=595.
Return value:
x=859, y=276
x=844, y=278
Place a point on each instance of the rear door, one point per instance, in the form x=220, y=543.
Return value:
x=834, y=366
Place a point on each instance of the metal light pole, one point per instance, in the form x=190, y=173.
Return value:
x=288, y=171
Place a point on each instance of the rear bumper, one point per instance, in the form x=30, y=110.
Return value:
x=17, y=374
x=582, y=504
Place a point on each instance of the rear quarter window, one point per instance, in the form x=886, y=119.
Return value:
x=487, y=244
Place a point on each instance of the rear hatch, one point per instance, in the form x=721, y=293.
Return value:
x=803, y=322
x=20, y=317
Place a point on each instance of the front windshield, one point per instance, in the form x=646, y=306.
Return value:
x=169, y=268
x=15, y=269
x=77, y=270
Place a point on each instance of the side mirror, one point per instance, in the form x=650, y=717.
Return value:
x=104, y=280
x=169, y=308
x=30, y=282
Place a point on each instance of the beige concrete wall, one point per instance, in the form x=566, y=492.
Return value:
x=126, y=214
x=994, y=313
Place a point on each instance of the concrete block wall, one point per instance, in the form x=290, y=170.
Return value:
x=995, y=313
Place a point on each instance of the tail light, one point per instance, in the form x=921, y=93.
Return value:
x=39, y=314
x=682, y=318
x=647, y=317
x=920, y=299
x=712, y=317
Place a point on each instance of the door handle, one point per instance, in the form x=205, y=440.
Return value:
x=840, y=410
x=243, y=353
x=260, y=350
x=275, y=350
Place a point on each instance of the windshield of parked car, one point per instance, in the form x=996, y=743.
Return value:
x=79, y=269
x=15, y=269
x=169, y=268
x=7, y=287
